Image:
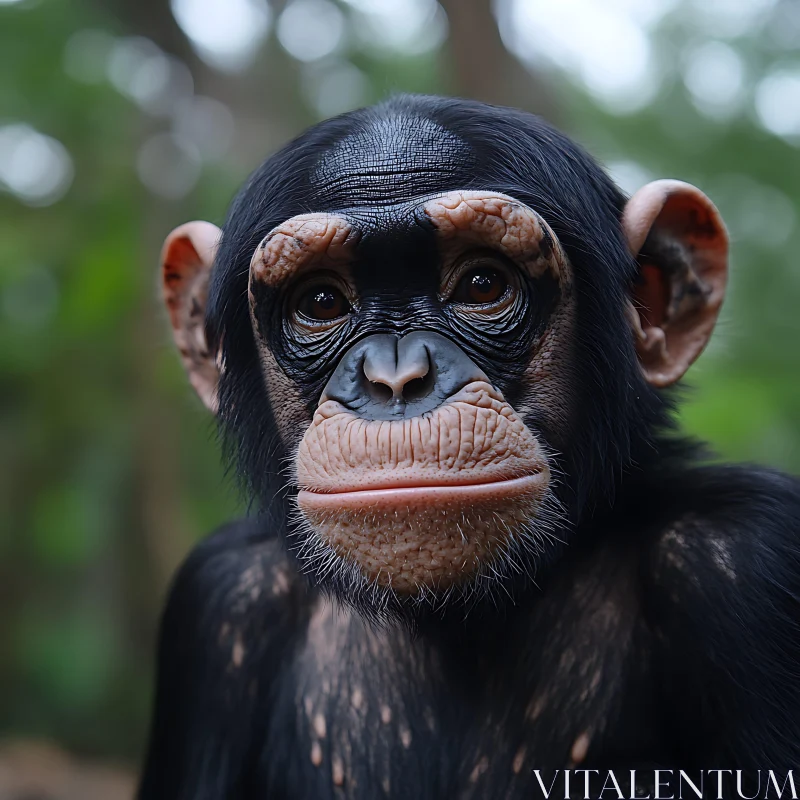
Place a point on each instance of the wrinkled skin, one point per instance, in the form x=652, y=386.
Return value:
x=426, y=500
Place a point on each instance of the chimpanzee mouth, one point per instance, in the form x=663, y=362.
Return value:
x=423, y=503
x=436, y=493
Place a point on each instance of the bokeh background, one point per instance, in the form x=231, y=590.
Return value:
x=121, y=119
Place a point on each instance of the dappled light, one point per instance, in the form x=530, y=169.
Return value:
x=311, y=29
x=139, y=69
x=778, y=102
x=335, y=86
x=226, y=33
x=410, y=27
x=34, y=167
x=603, y=46
x=714, y=74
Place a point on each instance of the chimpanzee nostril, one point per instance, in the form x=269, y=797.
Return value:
x=380, y=392
x=389, y=377
x=418, y=388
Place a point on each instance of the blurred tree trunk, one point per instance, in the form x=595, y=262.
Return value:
x=481, y=66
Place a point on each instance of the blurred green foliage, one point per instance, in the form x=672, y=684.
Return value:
x=109, y=465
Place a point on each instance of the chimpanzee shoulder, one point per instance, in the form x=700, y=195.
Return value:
x=233, y=611
x=722, y=599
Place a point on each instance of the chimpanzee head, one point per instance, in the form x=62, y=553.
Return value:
x=439, y=332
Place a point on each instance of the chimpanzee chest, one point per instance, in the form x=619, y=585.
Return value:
x=366, y=713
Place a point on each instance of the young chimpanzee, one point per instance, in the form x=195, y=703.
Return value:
x=437, y=338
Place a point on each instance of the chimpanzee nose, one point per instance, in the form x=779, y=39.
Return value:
x=389, y=377
x=403, y=366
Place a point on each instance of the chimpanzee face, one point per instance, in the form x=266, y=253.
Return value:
x=418, y=350
x=394, y=338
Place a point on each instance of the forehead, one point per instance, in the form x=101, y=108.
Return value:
x=388, y=160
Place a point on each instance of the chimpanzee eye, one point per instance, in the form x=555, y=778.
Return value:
x=481, y=286
x=323, y=303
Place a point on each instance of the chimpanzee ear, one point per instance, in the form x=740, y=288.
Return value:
x=186, y=261
x=681, y=245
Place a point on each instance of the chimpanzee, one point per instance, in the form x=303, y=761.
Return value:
x=438, y=340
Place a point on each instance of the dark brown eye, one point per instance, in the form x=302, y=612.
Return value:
x=323, y=303
x=480, y=286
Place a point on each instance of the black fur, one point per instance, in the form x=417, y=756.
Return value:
x=664, y=635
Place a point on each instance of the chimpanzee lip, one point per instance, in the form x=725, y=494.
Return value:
x=448, y=492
